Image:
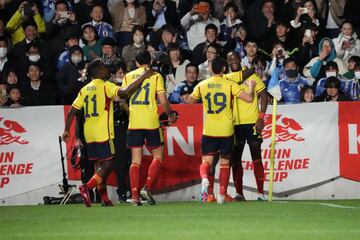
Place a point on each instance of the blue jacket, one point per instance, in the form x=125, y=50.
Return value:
x=290, y=91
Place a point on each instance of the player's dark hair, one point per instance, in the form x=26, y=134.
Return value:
x=218, y=64
x=143, y=57
x=93, y=68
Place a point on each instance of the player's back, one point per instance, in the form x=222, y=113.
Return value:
x=244, y=112
x=96, y=100
x=217, y=95
x=143, y=103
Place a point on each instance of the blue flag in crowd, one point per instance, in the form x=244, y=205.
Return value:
x=273, y=86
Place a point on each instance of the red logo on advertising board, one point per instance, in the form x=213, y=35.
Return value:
x=286, y=129
x=9, y=132
x=349, y=140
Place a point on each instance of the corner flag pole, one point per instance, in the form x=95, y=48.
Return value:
x=272, y=149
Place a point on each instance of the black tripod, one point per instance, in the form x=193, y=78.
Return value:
x=65, y=188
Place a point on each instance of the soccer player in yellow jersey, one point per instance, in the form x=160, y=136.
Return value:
x=217, y=95
x=144, y=126
x=95, y=99
x=248, y=126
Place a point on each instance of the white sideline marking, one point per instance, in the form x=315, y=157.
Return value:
x=321, y=204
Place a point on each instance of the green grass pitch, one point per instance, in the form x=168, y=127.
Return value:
x=193, y=220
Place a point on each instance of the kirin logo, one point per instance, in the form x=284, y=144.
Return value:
x=286, y=129
x=8, y=131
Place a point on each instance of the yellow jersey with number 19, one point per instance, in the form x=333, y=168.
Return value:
x=96, y=100
x=246, y=113
x=217, y=96
x=143, y=105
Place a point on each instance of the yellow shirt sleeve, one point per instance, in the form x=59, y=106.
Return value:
x=111, y=89
x=79, y=101
x=159, y=83
x=196, y=93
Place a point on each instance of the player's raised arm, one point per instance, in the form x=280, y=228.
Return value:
x=248, y=96
x=125, y=93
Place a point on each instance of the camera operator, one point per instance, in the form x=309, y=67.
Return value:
x=27, y=11
x=195, y=21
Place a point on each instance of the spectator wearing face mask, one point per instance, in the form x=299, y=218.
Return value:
x=64, y=57
x=354, y=85
x=69, y=79
x=6, y=62
x=137, y=44
x=292, y=82
x=35, y=53
x=332, y=70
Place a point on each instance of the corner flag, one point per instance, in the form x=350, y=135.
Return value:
x=274, y=90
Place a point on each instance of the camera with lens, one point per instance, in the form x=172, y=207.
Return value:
x=161, y=63
x=28, y=9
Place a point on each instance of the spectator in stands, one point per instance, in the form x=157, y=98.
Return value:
x=6, y=61
x=83, y=8
x=14, y=96
x=37, y=92
x=137, y=44
x=306, y=15
x=178, y=67
x=332, y=92
x=125, y=15
x=355, y=83
x=159, y=13
x=3, y=94
x=213, y=50
x=278, y=55
x=26, y=12
x=260, y=66
x=92, y=43
x=309, y=45
x=351, y=14
x=170, y=35
x=108, y=53
x=307, y=94
x=195, y=21
x=69, y=79
x=183, y=90
x=315, y=69
x=261, y=22
x=292, y=82
x=283, y=36
x=332, y=70
x=231, y=22
x=289, y=10
x=347, y=43
x=251, y=49
x=10, y=77
x=71, y=40
x=49, y=8
x=60, y=27
x=220, y=8
x=350, y=65
x=199, y=52
x=102, y=28
x=332, y=11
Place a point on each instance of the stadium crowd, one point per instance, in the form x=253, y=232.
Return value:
x=310, y=46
